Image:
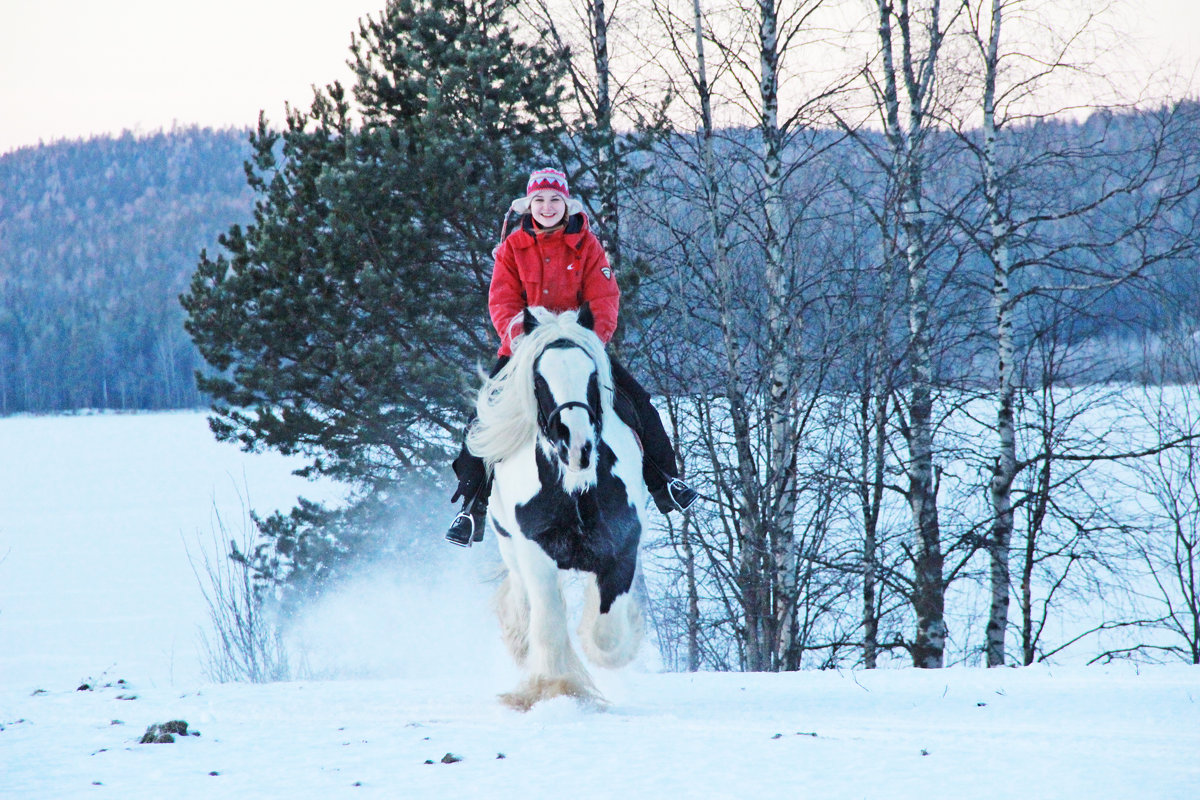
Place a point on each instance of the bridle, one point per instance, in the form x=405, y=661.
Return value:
x=546, y=421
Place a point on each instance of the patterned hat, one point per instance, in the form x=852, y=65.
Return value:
x=547, y=178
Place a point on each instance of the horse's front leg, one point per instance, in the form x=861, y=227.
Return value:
x=554, y=668
x=612, y=625
x=512, y=604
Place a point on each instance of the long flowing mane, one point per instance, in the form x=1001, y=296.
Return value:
x=506, y=407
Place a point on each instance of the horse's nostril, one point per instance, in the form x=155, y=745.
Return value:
x=585, y=455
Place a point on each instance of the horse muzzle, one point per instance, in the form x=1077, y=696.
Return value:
x=574, y=435
x=576, y=457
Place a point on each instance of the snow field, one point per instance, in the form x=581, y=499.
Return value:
x=403, y=666
x=1094, y=733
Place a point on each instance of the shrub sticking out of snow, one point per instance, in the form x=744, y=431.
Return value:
x=92, y=684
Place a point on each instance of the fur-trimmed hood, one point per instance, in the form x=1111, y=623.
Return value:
x=520, y=206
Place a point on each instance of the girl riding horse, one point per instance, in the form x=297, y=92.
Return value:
x=553, y=260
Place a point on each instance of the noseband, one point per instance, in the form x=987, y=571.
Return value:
x=547, y=420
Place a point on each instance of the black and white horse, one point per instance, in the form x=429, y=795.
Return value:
x=568, y=494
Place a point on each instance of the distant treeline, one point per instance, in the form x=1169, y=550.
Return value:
x=97, y=240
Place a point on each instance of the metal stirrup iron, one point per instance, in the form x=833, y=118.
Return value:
x=682, y=495
x=454, y=536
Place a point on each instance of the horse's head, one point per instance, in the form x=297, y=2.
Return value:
x=554, y=394
x=566, y=385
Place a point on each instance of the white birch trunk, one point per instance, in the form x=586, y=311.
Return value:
x=873, y=453
x=1036, y=515
x=874, y=411
x=906, y=143
x=753, y=542
x=608, y=160
x=783, y=327
x=1004, y=469
x=693, y=602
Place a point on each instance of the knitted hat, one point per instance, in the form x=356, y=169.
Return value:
x=547, y=178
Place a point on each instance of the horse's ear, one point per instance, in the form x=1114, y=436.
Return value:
x=529, y=321
x=585, y=318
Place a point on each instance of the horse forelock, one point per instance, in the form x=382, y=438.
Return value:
x=506, y=406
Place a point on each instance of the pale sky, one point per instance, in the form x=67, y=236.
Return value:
x=75, y=68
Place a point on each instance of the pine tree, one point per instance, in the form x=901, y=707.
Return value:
x=345, y=321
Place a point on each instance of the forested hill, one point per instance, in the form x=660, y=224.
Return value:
x=97, y=240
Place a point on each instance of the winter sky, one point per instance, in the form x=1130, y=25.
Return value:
x=76, y=68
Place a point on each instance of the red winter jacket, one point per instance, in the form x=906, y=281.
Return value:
x=560, y=271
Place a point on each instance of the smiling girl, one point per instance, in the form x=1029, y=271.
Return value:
x=553, y=260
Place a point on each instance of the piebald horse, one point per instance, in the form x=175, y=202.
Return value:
x=567, y=494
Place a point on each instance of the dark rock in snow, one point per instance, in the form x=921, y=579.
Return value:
x=165, y=732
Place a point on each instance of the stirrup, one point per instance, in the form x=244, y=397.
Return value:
x=464, y=530
x=682, y=495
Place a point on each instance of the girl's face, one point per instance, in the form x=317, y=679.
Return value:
x=547, y=207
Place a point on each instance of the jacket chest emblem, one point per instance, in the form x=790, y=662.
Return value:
x=606, y=272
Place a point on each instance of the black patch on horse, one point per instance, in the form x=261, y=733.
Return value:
x=595, y=531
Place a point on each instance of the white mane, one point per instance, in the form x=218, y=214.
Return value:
x=506, y=407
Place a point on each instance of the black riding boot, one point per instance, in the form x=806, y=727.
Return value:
x=467, y=527
x=474, y=486
x=659, y=468
x=673, y=495
x=669, y=491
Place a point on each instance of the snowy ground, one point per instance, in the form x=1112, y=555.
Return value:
x=96, y=587
x=1079, y=733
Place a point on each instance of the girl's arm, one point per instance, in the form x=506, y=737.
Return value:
x=600, y=289
x=506, y=297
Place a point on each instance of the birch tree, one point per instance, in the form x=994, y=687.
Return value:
x=772, y=549
x=1006, y=458
x=732, y=204
x=904, y=93
x=1032, y=196
x=876, y=378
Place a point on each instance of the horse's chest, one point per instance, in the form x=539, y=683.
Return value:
x=588, y=531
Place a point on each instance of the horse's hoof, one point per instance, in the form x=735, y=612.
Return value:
x=536, y=690
x=517, y=701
